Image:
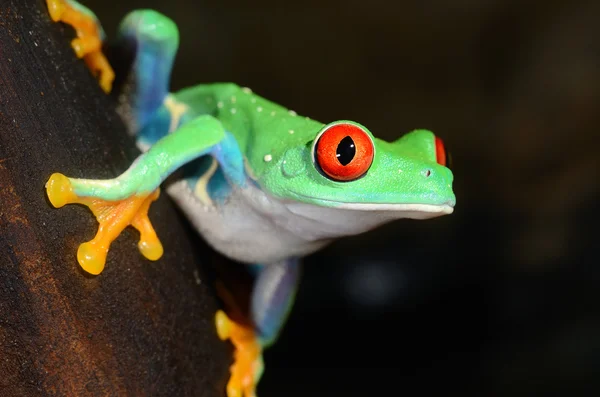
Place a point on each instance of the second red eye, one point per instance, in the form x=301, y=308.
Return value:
x=344, y=152
x=440, y=151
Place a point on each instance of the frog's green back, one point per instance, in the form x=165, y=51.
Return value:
x=263, y=129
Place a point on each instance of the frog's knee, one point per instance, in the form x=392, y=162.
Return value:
x=209, y=129
x=151, y=26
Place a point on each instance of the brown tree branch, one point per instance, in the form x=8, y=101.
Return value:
x=141, y=327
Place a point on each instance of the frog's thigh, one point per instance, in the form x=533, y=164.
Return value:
x=155, y=40
x=272, y=297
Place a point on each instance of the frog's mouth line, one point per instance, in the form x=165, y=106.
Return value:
x=425, y=208
x=441, y=209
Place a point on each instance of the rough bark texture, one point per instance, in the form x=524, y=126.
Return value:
x=141, y=327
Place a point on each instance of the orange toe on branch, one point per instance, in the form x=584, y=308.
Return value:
x=88, y=44
x=113, y=217
x=247, y=367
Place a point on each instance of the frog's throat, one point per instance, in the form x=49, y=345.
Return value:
x=442, y=209
x=445, y=208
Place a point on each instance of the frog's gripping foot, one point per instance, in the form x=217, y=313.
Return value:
x=113, y=217
x=248, y=365
x=88, y=44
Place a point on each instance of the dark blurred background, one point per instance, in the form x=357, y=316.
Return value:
x=502, y=298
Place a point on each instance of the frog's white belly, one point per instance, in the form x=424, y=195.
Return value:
x=243, y=228
x=254, y=227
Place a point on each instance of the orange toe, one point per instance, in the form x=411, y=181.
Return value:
x=248, y=366
x=88, y=44
x=113, y=217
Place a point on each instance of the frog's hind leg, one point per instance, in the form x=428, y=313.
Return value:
x=88, y=44
x=152, y=40
x=271, y=301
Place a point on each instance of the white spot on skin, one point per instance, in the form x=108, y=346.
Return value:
x=259, y=109
x=292, y=113
x=272, y=113
x=247, y=90
x=253, y=100
x=220, y=105
x=233, y=110
x=233, y=99
x=268, y=158
x=399, y=170
x=291, y=131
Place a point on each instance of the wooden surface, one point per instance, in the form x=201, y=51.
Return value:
x=141, y=327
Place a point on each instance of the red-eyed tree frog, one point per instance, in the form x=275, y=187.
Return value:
x=261, y=184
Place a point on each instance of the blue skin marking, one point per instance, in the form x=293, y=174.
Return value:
x=231, y=160
x=230, y=168
x=272, y=297
x=156, y=127
x=218, y=188
x=154, y=56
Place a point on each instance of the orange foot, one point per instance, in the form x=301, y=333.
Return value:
x=248, y=366
x=88, y=44
x=113, y=217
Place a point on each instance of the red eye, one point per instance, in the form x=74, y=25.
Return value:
x=440, y=151
x=344, y=152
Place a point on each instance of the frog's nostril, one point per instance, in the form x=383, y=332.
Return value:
x=426, y=173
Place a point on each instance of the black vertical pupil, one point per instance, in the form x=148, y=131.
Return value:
x=345, y=151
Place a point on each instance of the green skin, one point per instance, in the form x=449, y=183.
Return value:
x=261, y=128
x=261, y=198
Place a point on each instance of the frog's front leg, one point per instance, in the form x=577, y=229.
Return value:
x=272, y=297
x=88, y=44
x=125, y=200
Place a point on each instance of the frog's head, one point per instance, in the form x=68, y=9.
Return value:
x=345, y=167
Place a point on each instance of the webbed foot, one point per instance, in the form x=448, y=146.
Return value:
x=113, y=217
x=248, y=365
x=88, y=44
x=124, y=200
